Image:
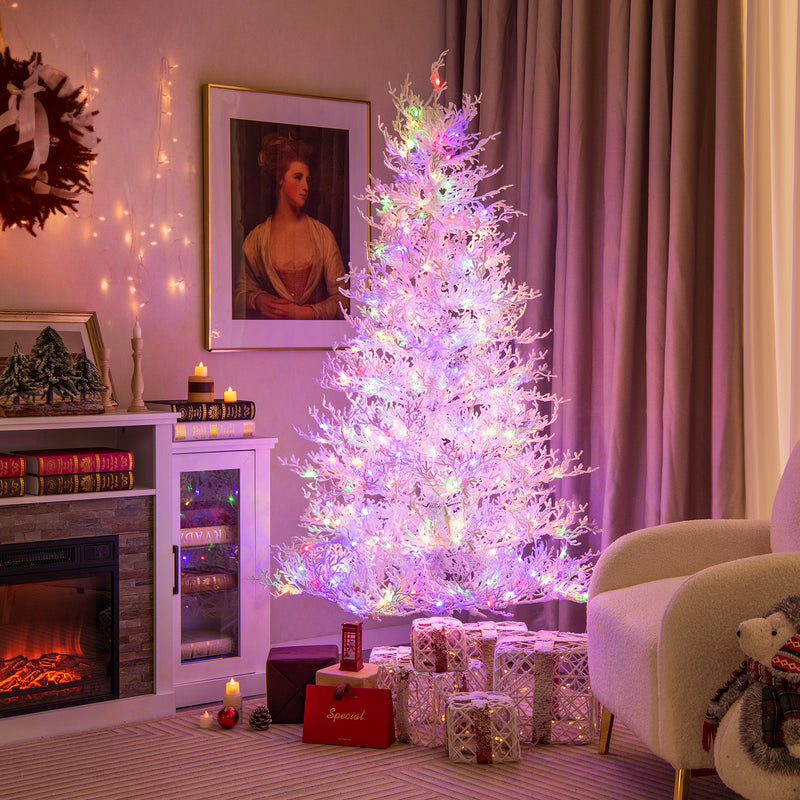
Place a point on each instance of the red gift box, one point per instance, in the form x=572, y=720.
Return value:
x=358, y=717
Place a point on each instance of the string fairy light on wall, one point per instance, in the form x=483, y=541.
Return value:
x=144, y=235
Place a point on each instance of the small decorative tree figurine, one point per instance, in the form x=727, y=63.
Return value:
x=88, y=380
x=432, y=489
x=16, y=382
x=52, y=365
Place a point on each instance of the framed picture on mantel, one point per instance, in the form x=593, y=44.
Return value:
x=284, y=223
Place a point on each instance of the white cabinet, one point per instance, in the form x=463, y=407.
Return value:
x=221, y=539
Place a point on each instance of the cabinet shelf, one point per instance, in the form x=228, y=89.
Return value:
x=134, y=432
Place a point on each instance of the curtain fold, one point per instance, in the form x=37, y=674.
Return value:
x=622, y=133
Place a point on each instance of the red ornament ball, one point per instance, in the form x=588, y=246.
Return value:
x=228, y=717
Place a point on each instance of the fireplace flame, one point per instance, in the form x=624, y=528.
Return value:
x=20, y=673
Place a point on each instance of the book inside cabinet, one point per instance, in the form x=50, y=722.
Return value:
x=221, y=492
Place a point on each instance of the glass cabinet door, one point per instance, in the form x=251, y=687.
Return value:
x=209, y=563
x=220, y=619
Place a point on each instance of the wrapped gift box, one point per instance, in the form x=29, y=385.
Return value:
x=419, y=698
x=438, y=644
x=289, y=671
x=366, y=677
x=482, y=728
x=546, y=673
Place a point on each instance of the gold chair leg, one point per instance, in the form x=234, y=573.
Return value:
x=606, y=724
x=682, y=779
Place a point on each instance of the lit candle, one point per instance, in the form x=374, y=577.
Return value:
x=201, y=371
x=207, y=721
x=233, y=697
x=137, y=330
x=229, y=395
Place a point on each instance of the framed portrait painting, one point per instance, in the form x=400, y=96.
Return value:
x=284, y=225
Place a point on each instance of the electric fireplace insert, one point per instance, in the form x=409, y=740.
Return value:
x=59, y=624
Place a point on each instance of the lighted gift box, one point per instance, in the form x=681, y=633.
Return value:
x=438, y=644
x=482, y=728
x=546, y=673
x=419, y=698
x=482, y=639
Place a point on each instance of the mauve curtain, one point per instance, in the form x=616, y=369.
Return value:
x=622, y=134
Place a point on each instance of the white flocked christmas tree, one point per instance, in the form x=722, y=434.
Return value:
x=431, y=489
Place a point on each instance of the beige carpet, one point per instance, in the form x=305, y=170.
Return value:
x=174, y=759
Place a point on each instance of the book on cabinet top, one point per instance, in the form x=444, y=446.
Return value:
x=224, y=429
x=63, y=461
x=211, y=410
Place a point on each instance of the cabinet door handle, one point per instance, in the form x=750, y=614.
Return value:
x=176, y=571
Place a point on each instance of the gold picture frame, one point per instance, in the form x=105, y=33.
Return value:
x=80, y=331
x=236, y=122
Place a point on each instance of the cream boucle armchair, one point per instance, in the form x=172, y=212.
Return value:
x=664, y=607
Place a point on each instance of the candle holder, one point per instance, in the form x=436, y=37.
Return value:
x=137, y=381
x=105, y=374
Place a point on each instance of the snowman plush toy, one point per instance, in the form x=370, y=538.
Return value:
x=753, y=721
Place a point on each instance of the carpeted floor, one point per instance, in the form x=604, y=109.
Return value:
x=174, y=759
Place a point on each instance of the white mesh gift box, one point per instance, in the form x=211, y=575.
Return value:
x=419, y=698
x=546, y=673
x=482, y=728
x=438, y=644
x=482, y=638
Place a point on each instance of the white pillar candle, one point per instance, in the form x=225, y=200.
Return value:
x=201, y=371
x=233, y=697
x=229, y=396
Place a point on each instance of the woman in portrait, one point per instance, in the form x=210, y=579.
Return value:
x=291, y=264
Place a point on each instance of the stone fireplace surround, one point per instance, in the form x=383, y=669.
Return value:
x=131, y=520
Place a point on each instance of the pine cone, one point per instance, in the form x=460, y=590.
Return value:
x=260, y=719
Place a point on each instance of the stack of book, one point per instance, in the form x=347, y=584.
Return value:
x=77, y=470
x=12, y=475
x=212, y=419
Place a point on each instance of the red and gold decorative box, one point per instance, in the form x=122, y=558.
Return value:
x=357, y=717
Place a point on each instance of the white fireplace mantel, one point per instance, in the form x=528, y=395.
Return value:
x=149, y=436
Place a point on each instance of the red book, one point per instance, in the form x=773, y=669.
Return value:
x=79, y=460
x=11, y=466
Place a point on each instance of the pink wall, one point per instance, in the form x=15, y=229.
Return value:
x=342, y=48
